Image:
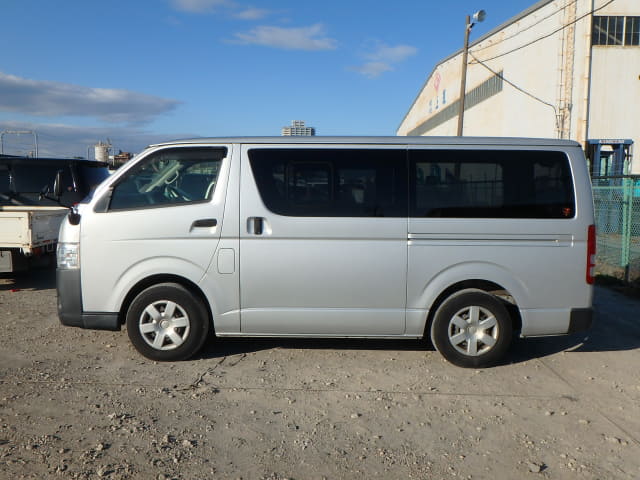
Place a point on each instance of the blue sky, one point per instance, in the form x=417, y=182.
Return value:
x=141, y=71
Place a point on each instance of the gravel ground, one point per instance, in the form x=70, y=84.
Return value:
x=84, y=405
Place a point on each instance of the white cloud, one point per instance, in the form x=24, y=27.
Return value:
x=372, y=69
x=47, y=98
x=396, y=54
x=302, y=38
x=252, y=13
x=384, y=58
x=200, y=6
x=236, y=10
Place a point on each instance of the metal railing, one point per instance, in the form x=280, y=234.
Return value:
x=617, y=209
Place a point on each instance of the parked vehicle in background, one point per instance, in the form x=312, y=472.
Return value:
x=30, y=212
x=463, y=240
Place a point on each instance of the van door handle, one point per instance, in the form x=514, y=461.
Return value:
x=204, y=223
x=258, y=226
x=255, y=225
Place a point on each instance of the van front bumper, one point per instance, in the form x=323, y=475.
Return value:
x=70, y=311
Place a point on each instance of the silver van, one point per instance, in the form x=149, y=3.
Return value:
x=467, y=241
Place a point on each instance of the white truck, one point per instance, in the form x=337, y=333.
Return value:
x=26, y=232
x=34, y=198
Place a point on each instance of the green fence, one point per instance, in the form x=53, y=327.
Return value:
x=617, y=208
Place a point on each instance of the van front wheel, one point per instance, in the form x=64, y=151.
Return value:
x=472, y=328
x=167, y=323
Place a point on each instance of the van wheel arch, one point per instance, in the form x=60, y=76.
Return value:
x=157, y=279
x=484, y=285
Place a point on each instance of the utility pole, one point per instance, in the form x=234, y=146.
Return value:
x=479, y=16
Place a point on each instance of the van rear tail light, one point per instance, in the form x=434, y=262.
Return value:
x=591, y=254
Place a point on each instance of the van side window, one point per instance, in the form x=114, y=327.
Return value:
x=308, y=182
x=490, y=184
x=169, y=177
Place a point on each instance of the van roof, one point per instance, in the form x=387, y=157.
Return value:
x=391, y=140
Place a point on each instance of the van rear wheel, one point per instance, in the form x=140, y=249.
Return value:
x=472, y=328
x=165, y=322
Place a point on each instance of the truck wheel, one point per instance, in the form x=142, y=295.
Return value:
x=472, y=328
x=167, y=323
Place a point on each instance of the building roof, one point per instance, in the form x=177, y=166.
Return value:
x=499, y=28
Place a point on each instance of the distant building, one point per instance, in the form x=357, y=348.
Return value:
x=298, y=129
x=562, y=68
x=121, y=158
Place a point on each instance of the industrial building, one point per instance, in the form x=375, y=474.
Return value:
x=560, y=69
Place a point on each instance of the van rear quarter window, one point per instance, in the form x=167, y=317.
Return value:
x=331, y=182
x=490, y=184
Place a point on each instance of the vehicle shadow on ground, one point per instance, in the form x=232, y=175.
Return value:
x=521, y=351
x=35, y=279
x=221, y=347
x=601, y=338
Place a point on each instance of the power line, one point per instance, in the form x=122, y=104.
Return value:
x=520, y=89
x=548, y=35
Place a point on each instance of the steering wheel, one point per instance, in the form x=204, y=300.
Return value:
x=174, y=192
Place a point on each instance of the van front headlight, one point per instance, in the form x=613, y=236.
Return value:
x=68, y=256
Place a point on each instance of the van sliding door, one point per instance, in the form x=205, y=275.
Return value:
x=323, y=240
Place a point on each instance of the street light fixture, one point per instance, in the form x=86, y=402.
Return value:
x=479, y=16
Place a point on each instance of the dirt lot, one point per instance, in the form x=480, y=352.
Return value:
x=84, y=405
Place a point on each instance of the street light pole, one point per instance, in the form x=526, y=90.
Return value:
x=463, y=76
x=479, y=16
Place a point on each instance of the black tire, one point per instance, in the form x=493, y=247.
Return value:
x=165, y=322
x=472, y=329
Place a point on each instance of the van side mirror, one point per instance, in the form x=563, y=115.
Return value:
x=74, y=216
